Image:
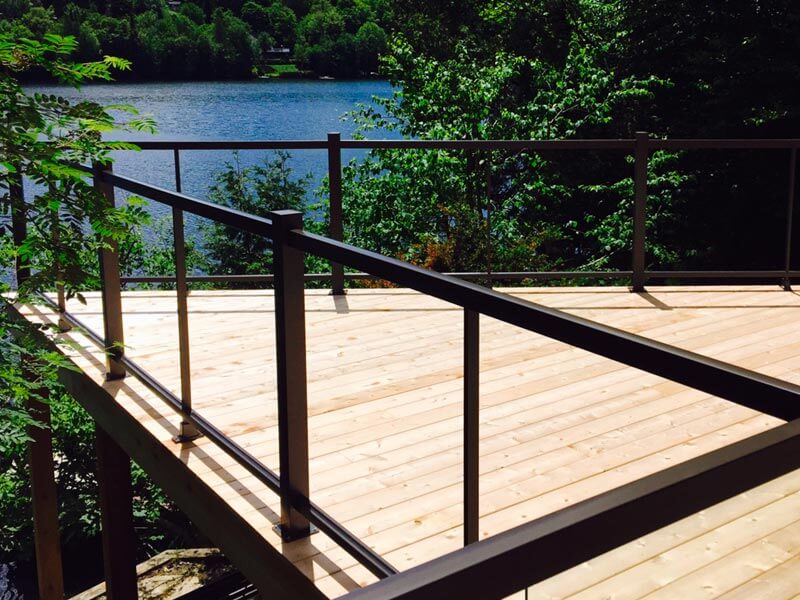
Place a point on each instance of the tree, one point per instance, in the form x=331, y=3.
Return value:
x=536, y=70
x=40, y=136
x=317, y=33
x=194, y=12
x=282, y=23
x=236, y=54
x=256, y=16
x=371, y=43
x=257, y=190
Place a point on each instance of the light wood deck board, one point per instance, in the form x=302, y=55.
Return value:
x=557, y=424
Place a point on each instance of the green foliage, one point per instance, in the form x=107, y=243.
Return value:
x=257, y=190
x=541, y=69
x=216, y=39
x=151, y=251
x=158, y=522
x=41, y=135
x=498, y=81
x=67, y=221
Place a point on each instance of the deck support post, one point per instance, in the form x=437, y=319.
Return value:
x=639, y=210
x=111, y=285
x=46, y=535
x=116, y=514
x=335, y=190
x=290, y=334
x=471, y=426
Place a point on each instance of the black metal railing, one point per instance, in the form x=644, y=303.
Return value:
x=684, y=489
x=639, y=148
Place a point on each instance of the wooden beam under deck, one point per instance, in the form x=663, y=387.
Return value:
x=385, y=390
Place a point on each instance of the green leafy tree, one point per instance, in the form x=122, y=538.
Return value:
x=13, y=9
x=257, y=190
x=327, y=41
x=256, y=16
x=194, y=12
x=151, y=252
x=282, y=23
x=39, y=137
x=530, y=71
x=371, y=43
x=235, y=57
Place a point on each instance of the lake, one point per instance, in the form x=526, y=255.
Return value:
x=249, y=110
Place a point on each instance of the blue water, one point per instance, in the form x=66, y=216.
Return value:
x=253, y=110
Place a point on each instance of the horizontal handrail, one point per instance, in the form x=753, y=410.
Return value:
x=535, y=145
x=510, y=561
x=201, y=208
x=231, y=145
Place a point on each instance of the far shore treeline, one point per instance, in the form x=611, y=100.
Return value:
x=213, y=39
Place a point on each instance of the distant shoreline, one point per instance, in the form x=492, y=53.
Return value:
x=259, y=79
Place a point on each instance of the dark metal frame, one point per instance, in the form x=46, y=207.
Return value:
x=507, y=562
x=639, y=147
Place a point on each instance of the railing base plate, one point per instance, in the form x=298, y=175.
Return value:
x=287, y=536
x=188, y=433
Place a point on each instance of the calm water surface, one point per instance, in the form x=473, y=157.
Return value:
x=252, y=110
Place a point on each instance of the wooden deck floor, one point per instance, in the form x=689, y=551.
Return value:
x=558, y=425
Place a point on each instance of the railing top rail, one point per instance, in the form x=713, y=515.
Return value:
x=231, y=144
x=222, y=214
x=723, y=144
x=512, y=145
x=610, y=144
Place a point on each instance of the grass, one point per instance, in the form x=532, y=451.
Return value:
x=281, y=70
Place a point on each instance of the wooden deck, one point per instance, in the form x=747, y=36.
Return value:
x=558, y=425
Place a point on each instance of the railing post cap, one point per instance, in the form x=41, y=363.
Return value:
x=100, y=166
x=287, y=218
x=334, y=134
x=285, y=212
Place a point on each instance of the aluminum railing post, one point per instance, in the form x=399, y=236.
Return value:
x=290, y=338
x=787, y=282
x=639, y=210
x=111, y=286
x=471, y=425
x=176, y=156
x=336, y=227
x=188, y=431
